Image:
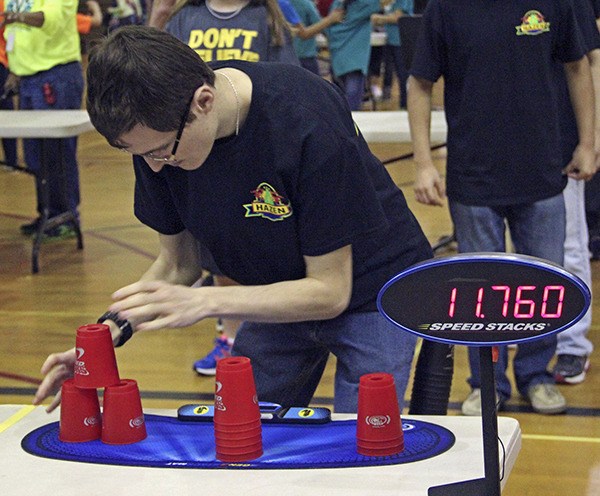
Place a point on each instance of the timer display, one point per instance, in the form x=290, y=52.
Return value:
x=484, y=299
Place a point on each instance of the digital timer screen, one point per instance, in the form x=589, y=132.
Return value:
x=484, y=299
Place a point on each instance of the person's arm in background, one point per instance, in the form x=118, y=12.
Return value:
x=594, y=60
x=35, y=19
x=391, y=17
x=315, y=23
x=581, y=91
x=429, y=186
x=85, y=22
x=95, y=12
x=160, y=13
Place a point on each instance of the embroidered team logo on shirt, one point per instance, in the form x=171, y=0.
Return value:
x=268, y=204
x=533, y=23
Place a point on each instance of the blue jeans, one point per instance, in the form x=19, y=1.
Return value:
x=9, y=145
x=66, y=85
x=354, y=88
x=536, y=229
x=288, y=360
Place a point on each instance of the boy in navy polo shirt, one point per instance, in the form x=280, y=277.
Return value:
x=504, y=164
x=261, y=165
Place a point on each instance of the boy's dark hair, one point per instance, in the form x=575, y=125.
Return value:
x=140, y=75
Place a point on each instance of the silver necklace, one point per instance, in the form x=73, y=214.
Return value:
x=218, y=15
x=237, y=102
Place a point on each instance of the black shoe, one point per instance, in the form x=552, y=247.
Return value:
x=58, y=233
x=30, y=229
x=594, y=246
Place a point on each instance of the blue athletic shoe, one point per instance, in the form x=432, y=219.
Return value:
x=208, y=364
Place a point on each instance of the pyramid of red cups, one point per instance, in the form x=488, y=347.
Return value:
x=122, y=419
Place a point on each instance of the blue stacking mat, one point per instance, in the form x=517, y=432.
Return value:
x=174, y=443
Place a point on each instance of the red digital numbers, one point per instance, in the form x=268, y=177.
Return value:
x=522, y=306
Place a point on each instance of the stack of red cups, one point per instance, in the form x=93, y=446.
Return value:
x=122, y=420
x=378, y=424
x=237, y=425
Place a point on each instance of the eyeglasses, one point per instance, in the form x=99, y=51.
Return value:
x=171, y=157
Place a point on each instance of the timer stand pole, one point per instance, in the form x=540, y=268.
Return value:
x=490, y=484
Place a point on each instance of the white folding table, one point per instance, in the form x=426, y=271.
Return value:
x=391, y=126
x=24, y=474
x=46, y=125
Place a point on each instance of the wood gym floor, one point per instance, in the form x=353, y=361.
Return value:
x=40, y=313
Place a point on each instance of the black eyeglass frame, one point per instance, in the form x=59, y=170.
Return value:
x=182, y=124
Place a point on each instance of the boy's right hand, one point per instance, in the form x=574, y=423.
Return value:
x=57, y=368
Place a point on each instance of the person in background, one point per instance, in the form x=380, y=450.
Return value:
x=592, y=188
x=350, y=47
x=91, y=19
x=9, y=146
x=392, y=11
x=252, y=30
x=573, y=347
x=504, y=161
x=44, y=52
x=126, y=13
x=239, y=156
x=311, y=24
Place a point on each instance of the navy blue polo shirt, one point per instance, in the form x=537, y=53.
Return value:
x=501, y=100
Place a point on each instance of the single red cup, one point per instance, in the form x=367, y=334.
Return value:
x=231, y=435
x=96, y=363
x=80, y=418
x=382, y=451
x=242, y=428
x=382, y=444
x=122, y=414
x=238, y=443
x=236, y=403
x=378, y=423
x=239, y=454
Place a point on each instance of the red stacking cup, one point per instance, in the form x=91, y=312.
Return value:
x=240, y=454
x=378, y=424
x=229, y=434
x=238, y=430
x=80, y=418
x=96, y=364
x=122, y=415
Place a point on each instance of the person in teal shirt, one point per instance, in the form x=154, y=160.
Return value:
x=311, y=23
x=392, y=11
x=350, y=47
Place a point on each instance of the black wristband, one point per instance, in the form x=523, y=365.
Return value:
x=124, y=325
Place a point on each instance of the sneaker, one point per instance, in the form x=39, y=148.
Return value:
x=546, y=399
x=594, y=246
x=376, y=93
x=471, y=407
x=58, y=233
x=208, y=364
x=570, y=369
x=31, y=228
